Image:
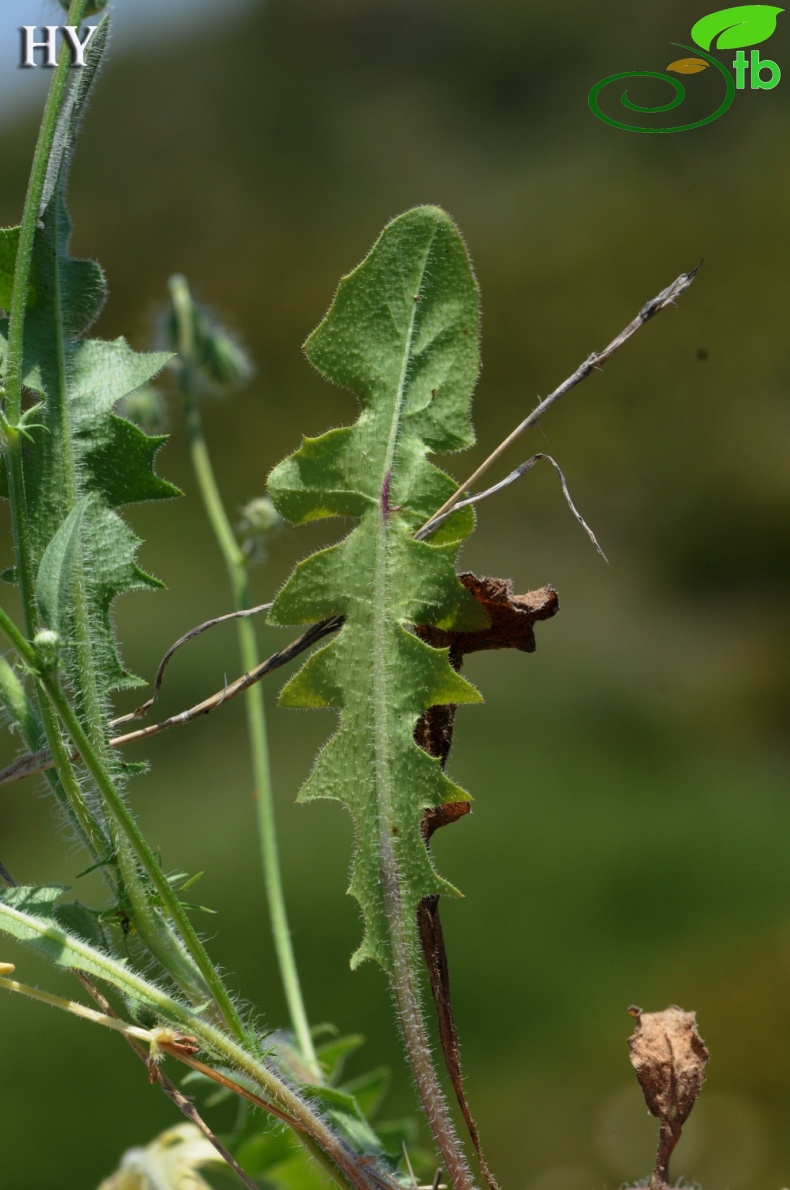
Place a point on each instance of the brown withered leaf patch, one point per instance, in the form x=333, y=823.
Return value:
x=669, y=1058
x=512, y=619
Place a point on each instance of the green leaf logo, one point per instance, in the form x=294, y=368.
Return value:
x=746, y=24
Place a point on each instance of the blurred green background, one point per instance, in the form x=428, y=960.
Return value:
x=630, y=835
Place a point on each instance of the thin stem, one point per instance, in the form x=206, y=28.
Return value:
x=141, y=711
x=124, y=820
x=591, y=364
x=66, y=787
x=235, y=563
x=116, y=807
x=218, y=1044
x=412, y=1023
x=39, y=762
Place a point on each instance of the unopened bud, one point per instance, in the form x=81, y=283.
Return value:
x=47, y=646
x=222, y=359
x=209, y=347
x=258, y=520
x=93, y=7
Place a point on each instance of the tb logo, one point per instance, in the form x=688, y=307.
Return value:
x=728, y=29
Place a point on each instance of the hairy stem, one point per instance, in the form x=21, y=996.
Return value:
x=412, y=1022
x=16, y=329
x=227, y=1051
x=67, y=791
x=235, y=563
x=122, y=819
x=68, y=786
x=125, y=822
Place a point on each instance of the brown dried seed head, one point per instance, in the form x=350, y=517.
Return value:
x=669, y=1058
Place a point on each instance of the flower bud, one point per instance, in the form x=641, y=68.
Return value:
x=224, y=362
x=258, y=520
x=204, y=343
x=47, y=646
x=93, y=7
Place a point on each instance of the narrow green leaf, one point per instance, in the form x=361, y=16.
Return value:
x=734, y=28
x=402, y=335
x=31, y=915
x=15, y=699
x=56, y=572
x=345, y=1112
x=28, y=913
x=369, y=1089
x=332, y=1055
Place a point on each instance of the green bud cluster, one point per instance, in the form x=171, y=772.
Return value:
x=212, y=350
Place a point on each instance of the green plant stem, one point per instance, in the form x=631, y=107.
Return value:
x=16, y=329
x=236, y=565
x=31, y=728
x=69, y=788
x=100, y=837
x=114, y=804
x=313, y=1129
x=80, y=811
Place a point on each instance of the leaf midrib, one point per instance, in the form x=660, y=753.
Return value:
x=381, y=764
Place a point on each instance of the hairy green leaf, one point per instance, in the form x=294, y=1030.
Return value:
x=402, y=334
x=56, y=572
x=30, y=914
x=345, y=1112
x=67, y=935
x=369, y=1089
x=80, y=449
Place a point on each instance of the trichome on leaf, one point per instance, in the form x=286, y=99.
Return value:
x=402, y=335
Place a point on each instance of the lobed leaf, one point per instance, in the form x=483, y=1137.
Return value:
x=402, y=334
x=82, y=456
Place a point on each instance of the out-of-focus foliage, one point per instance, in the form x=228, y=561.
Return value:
x=632, y=843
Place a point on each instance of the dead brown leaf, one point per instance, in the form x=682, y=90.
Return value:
x=512, y=618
